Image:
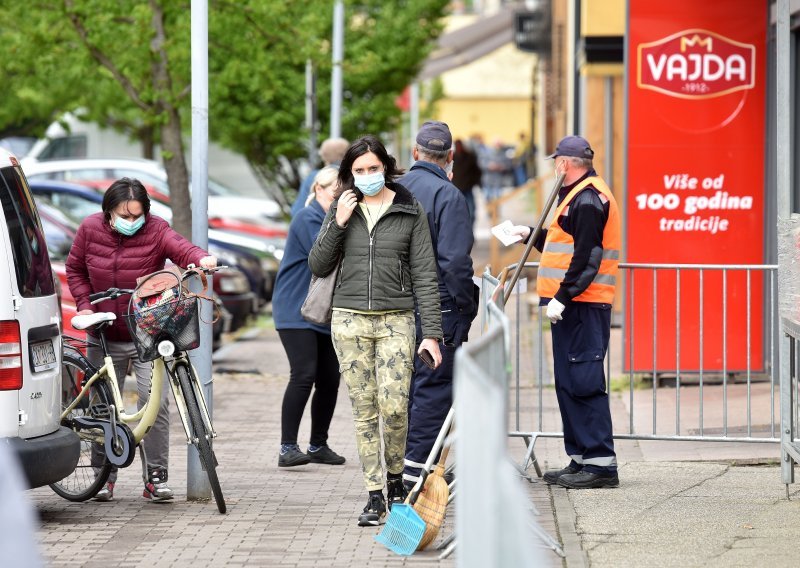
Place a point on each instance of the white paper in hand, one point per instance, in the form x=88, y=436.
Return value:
x=504, y=232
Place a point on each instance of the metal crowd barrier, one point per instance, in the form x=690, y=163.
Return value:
x=698, y=403
x=495, y=524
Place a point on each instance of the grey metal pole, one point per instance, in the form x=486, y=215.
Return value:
x=197, y=486
x=784, y=210
x=413, y=114
x=336, y=76
x=311, y=113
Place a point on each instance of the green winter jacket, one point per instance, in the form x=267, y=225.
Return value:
x=384, y=270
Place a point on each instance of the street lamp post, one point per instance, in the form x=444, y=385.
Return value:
x=336, y=76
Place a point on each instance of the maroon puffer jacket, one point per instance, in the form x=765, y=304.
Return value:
x=101, y=258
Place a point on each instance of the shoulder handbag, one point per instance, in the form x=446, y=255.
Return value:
x=318, y=304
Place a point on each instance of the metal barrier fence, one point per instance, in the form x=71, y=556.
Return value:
x=484, y=469
x=714, y=401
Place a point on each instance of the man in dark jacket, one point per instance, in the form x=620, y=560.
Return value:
x=431, y=393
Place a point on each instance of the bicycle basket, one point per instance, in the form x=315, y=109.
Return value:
x=169, y=315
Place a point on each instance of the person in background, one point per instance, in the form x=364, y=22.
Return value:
x=331, y=152
x=466, y=175
x=522, y=154
x=112, y=249
x=308, y=346
x=577, y=281
x=496, y=167
x=431, y=394
x=378, y=234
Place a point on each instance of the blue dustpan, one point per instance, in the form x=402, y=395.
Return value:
x=403, y=530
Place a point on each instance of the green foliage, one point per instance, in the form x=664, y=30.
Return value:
x=257, y=85
x=110, y=59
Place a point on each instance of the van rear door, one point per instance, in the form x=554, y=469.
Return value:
x=29, y=304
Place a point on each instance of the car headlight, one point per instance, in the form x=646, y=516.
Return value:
x=233, y=282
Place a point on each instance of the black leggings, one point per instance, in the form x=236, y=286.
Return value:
x=313, y=362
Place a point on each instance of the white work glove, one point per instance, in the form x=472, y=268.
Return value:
x=554, y=310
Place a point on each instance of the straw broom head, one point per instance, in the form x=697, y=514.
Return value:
x=432, y=502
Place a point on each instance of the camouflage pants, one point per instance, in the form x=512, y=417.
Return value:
x=376, y=359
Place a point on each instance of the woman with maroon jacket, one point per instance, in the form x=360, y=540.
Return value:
x=112, y=249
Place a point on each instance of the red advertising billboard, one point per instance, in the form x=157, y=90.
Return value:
x=695, y=182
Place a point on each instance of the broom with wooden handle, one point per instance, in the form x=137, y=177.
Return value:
x=431, y=502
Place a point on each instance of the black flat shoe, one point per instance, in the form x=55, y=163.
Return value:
x=551, y=476
x=325, y=455
x=587, y=480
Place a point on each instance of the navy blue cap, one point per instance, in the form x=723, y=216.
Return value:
x=435, y=135
x=574, y=146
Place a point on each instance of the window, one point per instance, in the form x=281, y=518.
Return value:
x=66, y=147
x=31, y=263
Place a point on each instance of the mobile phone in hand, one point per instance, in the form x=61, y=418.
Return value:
x=427, y=358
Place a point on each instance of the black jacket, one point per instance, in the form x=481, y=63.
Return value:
x=384, y=269
x=451, y=235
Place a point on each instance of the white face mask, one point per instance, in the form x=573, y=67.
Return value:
x=448, y=169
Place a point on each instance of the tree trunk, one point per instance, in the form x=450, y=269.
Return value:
x=147, y=138
x=177, y=174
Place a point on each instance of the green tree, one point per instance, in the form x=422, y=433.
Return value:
x=257, y=90
x=125, y=62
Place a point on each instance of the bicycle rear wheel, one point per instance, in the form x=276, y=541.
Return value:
x=201, y=436
x=93, y=468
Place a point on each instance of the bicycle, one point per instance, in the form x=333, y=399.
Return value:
x=163, y=332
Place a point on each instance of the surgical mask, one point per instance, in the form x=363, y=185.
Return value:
x=448, y=169
x=369, y=184
x=128, y=228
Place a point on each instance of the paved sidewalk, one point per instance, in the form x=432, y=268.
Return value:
x=303, y=516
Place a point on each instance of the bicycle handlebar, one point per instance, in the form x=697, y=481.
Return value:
x=110, y=294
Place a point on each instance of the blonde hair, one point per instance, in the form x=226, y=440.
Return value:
x=325, y=176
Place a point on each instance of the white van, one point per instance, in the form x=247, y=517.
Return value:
x=30, y=338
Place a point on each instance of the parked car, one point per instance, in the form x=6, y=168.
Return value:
x=30, y=346
x=222, y=201
x=74, y=197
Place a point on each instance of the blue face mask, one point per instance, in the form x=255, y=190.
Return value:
x=128, y=228
x=369, y=184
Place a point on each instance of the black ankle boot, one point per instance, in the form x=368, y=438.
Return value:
x=395, y=490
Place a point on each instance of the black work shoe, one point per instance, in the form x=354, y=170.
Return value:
x=551, y=476
x=374, y=512
x=323, y=454
x=587, y=480
x=292, y=456
x=395, y=491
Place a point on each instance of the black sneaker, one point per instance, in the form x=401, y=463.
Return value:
x=291, y=456
x=374, y=512
x=323, y=454
x=551, y=476
x=395, y=491
x=587, y=480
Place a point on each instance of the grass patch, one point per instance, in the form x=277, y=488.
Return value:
x=622, y=383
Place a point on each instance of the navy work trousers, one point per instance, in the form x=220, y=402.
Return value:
x=431, y=392
x=580, y=342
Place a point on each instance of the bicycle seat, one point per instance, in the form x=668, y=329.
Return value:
x=88, y=320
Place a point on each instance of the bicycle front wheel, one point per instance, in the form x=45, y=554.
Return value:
x=201, y=437
x=93, y=468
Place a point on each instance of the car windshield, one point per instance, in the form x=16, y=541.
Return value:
x=31, y=263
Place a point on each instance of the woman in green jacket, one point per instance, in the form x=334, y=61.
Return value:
x=381, y=234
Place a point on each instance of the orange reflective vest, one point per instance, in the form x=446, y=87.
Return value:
x=559, y=247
